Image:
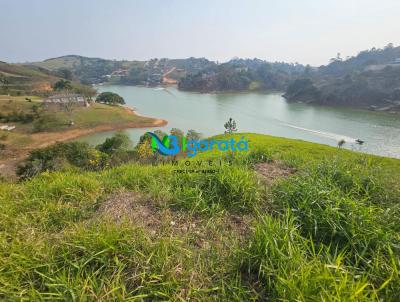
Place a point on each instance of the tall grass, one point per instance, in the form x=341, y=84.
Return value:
x=332, y=232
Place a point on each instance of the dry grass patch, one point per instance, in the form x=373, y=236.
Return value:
x=273, y=171
x=156, y=218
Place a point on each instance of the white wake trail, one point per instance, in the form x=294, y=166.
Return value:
x=330, y=135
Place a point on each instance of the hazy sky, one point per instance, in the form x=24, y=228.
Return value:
x=306, y=31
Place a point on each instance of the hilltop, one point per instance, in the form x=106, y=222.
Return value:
x=288, y=220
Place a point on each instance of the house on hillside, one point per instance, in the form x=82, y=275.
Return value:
x=62, y=99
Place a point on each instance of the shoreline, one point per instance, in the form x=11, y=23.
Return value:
x=12, y=157
x=68, y=135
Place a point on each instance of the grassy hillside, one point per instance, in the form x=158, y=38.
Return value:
x=74, y=62
x=57, y=119
x=288, y=220
x=19, y=79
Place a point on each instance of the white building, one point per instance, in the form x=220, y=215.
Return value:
x=60, y=99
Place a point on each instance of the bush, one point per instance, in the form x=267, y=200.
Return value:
x=17, y=117
x=46, y=123
x=61, y=156
x=118, y=142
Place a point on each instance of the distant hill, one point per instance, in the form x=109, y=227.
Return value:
x=369, y=80
x=242, y=75
x=86, y=70
x=196, y=74
x=97, y=70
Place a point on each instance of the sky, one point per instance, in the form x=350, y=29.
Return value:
x=306, y=31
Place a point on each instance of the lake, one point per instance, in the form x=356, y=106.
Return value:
x=267, y=113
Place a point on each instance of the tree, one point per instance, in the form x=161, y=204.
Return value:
x=341, y=143
x=110, y=98
x=4, y=82
x=179, y=135
x=62, y=85
x=118, y=142
x=65, y=73
x=230, y=126
x=87, y=91
x=193, y=135
x=68, y=106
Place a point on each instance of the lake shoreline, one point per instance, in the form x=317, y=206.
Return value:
x=13, y=157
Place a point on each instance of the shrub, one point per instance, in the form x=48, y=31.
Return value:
x=118, y=142
x=61, y=156
x=46, y=123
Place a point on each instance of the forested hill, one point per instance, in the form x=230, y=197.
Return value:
x=197, y=74
x=97, y=70
x=369, y=80
x=86, y=70
x=242, y=75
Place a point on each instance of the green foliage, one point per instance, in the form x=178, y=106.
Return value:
x=65, y=73
x=17, y=117
x=137, y=75
x=119, y=142
x=62, y=85
x=110, y=98
x=302, y=89
x=60, y=156
x=193, y=135
x=368, y=80
x=46, y=122
x=230, y=126
x=241, y=75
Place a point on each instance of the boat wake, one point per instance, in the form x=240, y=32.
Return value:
x=334, y=136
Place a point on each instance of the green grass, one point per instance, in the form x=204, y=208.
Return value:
x=95, y=115
x=101, y=114
x=329, y=232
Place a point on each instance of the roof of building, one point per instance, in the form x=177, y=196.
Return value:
x=58, y=96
